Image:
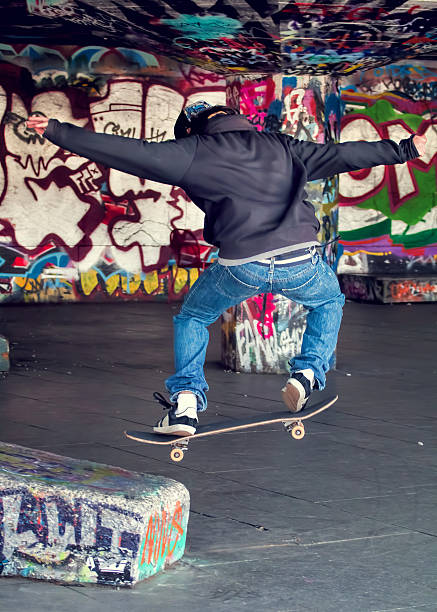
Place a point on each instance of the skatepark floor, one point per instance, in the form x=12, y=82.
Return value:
x=344, y=520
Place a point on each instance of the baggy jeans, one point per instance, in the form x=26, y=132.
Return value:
x=311, y=283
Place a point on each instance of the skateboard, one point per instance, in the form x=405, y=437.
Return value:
x=292, y=422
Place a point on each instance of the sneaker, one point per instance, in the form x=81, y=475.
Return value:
x=181, y=419
x=174, y=425
x=296, y=392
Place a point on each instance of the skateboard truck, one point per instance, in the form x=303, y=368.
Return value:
x=178, y=450
x=295, y=428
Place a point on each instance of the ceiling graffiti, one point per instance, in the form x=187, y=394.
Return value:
x=238, y=36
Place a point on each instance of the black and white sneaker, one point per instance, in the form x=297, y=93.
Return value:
x=298, y=390
x=174, y=425
x=180, y=420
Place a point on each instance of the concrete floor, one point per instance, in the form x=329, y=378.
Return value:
x=344, y=520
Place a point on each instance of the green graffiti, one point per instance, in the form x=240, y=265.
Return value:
x=414, y=208
x=382, y=112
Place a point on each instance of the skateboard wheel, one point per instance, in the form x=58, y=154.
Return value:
x=297, y=432
x=176, y=454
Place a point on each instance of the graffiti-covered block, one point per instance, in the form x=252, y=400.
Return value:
x=265, y=345
x=251, y=343
x=389, y=289
x=4, y=354
x=77, y=521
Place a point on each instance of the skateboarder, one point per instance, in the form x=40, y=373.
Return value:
x=250, y=185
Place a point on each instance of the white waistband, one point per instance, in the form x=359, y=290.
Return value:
x=280, y=262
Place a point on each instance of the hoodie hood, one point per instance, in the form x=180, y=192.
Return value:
x=227, y=123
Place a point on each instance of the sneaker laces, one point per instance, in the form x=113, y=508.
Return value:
x=161, y=399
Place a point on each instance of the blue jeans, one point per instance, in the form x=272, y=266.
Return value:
x=311, y=283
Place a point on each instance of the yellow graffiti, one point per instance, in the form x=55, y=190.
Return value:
x=40, y=290
x=27, y=284
x=327, y=207
x=180, y=279
x=131, y=283
x=88, y=281
x=151, y=282
x=169, y=279
x=367, y=252
x=112, y=283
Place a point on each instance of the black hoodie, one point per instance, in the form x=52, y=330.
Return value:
x=249, y=184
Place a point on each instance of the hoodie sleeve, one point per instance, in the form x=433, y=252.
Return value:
x=324, y=160
x=165, y=162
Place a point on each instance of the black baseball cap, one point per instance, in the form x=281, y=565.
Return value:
x=193, y=118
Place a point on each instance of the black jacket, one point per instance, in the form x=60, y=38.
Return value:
x=249, y=184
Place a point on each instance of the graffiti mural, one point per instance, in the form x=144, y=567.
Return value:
x=71, y=229
x=250, y=36
x=69, y=520
x=388, y=214
x=85, y=232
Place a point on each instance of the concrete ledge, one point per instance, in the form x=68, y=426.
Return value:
x=389, y=289
x=4, y=354
x=76, y=521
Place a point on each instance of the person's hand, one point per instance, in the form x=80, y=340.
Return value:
x=37, y=123
x=419, y=143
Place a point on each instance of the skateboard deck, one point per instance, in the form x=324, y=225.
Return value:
x=292, y=421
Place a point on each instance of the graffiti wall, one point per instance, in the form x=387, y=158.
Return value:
x=307, y=108
x=388, y=214
x=74, y=230
x=71, y=521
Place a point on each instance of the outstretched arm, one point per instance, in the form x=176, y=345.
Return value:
x=323, y=160
x=165, y=162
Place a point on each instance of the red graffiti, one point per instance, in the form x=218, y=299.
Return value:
x=255, y=305
x=162, y=536
x=413, y=291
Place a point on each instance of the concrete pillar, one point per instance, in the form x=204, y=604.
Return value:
x=76, y=521
x=306, y=108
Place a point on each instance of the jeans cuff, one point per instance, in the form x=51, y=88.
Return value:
x=201, y=399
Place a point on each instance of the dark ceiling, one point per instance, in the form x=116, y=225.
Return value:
x=243, y=36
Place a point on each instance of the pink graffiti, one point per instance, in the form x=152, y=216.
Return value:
x=255, y=99
x=255, y=305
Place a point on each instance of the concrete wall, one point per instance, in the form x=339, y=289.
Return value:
x=388, y=215
x=74, y=230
